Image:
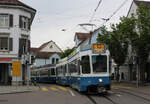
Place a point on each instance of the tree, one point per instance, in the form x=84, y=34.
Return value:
x=116, y=42
x=141, y=43
x=134, y=32
x=66, y=53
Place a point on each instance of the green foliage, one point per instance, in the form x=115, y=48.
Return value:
x=133, y=31
x=66, y=53
x=116, y=42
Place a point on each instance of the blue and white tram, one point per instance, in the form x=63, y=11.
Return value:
x=89, y=69
x=45, y=74
x=62, y=76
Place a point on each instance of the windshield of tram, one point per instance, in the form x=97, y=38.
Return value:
x=99, y=63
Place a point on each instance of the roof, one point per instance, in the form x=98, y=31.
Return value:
x=43, y=55
x=45, y=44
x=82, y=36
x=43, y=66
x=34, y=50
x=138, y=2
x=15, y=3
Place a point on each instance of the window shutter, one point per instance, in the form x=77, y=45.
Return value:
x=20, y=47
x=29, y=43
x=20, y=22
x=29, y=24
x=10, y=44
x=11, y=20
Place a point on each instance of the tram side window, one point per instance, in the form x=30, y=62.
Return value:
x=56, y=71
x=99, y=63
x=65, y=69
x=78, y=67
x=49, y=73
x=44, y=73
x=73, y=67
x=85, y=64
x=52, y=71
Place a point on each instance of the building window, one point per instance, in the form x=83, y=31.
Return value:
x=6, y=44
x=53, y=60
x=57, y=60
x=4, y=20
x=24, y=22
x=51, y=47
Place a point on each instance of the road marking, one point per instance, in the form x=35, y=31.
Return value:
x=62, y=88
x=72, y=93
x=44, y=89
x=118, y=95
x=54, y=89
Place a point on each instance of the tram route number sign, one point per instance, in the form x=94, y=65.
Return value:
x=98, y=48
x=16, y=68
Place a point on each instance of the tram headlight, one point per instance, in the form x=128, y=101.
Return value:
x=100, y=80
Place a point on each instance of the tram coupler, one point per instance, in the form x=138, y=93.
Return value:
x=101, y=89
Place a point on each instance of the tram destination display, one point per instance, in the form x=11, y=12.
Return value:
x=98, y=48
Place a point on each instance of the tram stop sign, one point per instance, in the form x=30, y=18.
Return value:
x=16, y=68
x=98, y=48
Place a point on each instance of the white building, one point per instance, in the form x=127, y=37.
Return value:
x=47, y=53
x=15, y=23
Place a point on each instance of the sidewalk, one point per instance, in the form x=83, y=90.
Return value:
x=17, y=89
x=129, y=87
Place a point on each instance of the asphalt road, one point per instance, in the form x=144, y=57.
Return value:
x=54, y=94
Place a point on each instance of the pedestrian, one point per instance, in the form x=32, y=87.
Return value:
x=118, y=77
x=122, y=76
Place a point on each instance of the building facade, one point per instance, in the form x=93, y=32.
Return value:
x=47, y=53
x=130, y=67
x=15, y=24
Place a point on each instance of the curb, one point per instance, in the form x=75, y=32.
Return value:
x=15, y=92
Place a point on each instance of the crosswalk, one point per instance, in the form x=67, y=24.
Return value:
x=58, y=88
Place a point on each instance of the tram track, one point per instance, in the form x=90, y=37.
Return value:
x=90, y=97
x=141, y=97
x=109, y=99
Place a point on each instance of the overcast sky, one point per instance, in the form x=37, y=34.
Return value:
x=54, y=15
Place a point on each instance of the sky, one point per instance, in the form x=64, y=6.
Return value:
x=55, y=15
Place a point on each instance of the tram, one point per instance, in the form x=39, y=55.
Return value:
x=46, y=74
x=86, y=69
x=62, y=72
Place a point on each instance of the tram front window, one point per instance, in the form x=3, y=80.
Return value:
x=99, y=63
x=86, y=65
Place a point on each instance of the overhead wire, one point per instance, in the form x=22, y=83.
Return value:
x=95, y=11
x=109, y=18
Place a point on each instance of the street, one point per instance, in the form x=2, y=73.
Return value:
x=54, y=94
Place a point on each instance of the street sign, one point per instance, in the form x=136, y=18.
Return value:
x=16, y=68
x=98, y=48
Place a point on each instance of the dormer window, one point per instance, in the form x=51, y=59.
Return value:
x=6, y=20
x=51, y=47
